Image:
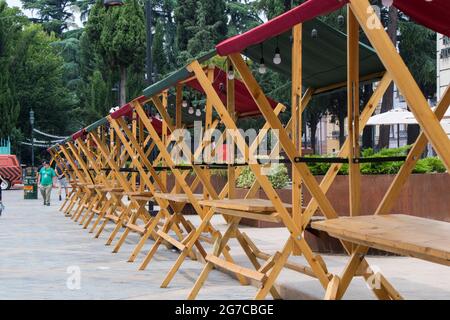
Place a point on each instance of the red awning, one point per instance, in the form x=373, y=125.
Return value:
x=244, y=103
x=127, y=111
x=79, y=134
x=304, y=12
x=433, y=14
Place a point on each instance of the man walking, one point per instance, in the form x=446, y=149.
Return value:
x=46, y=177
x=62, y=181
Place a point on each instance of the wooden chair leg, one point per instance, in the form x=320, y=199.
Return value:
x=275, y=271
x=203, y=225
x=332, y=289
x=101, y=215
x=156, y=245
x=149, y=230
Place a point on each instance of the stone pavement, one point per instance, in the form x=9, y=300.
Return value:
x=42, y=251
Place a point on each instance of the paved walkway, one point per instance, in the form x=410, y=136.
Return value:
x=42, y=252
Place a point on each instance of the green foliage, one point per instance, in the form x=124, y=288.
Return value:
x=158, y=53
x=278, y=177
x=54, y=15
x=427, y=165
x=430, y=165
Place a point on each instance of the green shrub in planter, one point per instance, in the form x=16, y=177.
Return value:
x=278, y=177
x=428, y=165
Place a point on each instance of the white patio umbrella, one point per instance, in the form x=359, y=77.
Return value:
x=392, y=117
x=445, y=123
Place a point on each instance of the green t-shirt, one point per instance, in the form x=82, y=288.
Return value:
x=47, y=176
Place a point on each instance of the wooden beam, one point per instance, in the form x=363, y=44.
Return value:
x=231, y=107
x=403, y=79
x=353, y=112
x=296, y=129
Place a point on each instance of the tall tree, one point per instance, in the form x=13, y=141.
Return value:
x=210, y=27
x=185, y=23
x=39, y=82
x=158, y=52
x=55, y=15
x=10, y=27
x=118, y=37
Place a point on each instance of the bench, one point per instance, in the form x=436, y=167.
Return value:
x=255, y=209
x=177, y=197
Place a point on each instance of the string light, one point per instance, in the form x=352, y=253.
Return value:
x=277, y=57
x=262, y=66
x=191, y=110
x=387, y=3
x=198, y=112
x=314, y=33
x=230, y=72
x=184, y=104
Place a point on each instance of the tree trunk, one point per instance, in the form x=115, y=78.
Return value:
x=341, y=120
x=367, y=137
x=413, y=133
x=388, y=99
x=123, y=85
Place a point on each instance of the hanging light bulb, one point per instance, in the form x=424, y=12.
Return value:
x=230, y=72
x=277, y=57
x=314, y=33
x=198, y=112
x=387, y=3
x=262, y=67
x=191, y=110
x=184, y=104
x=341, y=20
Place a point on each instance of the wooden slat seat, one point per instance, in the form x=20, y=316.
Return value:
x=95, y=186
x=139, y=194
x=114, y=190
x=177, y=197
x=401, y=234
x=248, y=205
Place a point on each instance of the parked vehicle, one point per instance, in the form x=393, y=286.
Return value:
x=10, y=170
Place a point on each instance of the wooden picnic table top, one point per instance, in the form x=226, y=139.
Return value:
x=249, y=205
x=401, y=234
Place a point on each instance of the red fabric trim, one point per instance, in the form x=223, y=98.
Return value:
x=434, y=15
x=79, y=134
x=141, y=99
x=304, y=12
x=244, y=102
x=126, y=110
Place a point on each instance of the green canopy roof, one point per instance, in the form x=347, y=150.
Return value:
x=96, y=124
x=175, y=77
x=324, y=55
